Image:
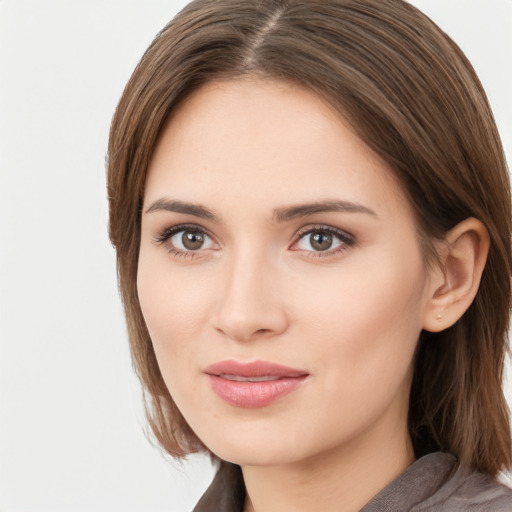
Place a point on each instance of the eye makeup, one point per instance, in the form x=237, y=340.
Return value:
x=189, y=240
x=324, y=241
x=193, y=240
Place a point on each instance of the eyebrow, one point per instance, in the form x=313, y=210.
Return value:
x=182, y=207
x=280, y=215
x=303, y=210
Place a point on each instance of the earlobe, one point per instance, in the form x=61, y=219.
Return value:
x=455, y=282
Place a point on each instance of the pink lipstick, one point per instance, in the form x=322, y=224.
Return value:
x=253, y=385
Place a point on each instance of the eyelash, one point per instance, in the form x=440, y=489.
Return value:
x=347, y=240
x=164, y=236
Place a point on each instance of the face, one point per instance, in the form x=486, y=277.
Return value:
x=280, y=276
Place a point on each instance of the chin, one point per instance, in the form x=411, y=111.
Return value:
x=262, y=448
x=255, y=456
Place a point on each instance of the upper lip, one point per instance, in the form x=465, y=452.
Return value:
x=253, y=369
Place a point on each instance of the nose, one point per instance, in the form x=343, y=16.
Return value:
x=252, y=304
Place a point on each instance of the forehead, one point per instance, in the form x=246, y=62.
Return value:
x=261, y=141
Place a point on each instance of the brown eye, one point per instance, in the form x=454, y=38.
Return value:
x=323, y=240
x=320, y=241
x=188, y=240
x=192, y=240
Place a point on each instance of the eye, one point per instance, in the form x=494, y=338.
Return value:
x=191, y=240
x=183, y=240
x=323, y=240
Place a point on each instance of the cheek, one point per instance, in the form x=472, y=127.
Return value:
x=172, y=304
x=369, y=319
x=171, y=323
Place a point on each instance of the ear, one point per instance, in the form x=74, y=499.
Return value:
x=454, y=283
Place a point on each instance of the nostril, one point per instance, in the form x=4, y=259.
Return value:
x=244, y=315
x=262, y=331
x=242, y=333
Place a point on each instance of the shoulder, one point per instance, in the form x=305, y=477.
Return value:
x=468, y=491
x=226, y=493
x=437, y=483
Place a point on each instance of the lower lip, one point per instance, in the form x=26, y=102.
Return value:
x=254, y=394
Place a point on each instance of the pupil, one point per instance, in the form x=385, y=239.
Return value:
x=321, y=241
x=192, y=241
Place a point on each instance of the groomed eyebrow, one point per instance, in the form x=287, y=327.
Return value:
x=196, y=210
x=303, y=210
x=283, y=214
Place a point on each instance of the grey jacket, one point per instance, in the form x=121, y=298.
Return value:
x=434, y=483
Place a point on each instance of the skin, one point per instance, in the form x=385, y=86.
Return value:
x=258, y=290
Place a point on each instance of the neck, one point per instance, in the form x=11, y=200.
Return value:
x=343, y=479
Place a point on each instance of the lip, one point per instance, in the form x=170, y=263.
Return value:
x=252, y=385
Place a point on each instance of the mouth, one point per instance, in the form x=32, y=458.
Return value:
x=253, y=385
x=241, y=378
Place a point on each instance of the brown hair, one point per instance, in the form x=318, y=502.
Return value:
x=413, y=97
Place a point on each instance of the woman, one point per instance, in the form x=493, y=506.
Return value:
x=311, y=211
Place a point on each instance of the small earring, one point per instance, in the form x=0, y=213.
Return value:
x=439, y=317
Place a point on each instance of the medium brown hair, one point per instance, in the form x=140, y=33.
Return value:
x=412, y=96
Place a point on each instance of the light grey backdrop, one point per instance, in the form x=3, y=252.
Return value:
x=71, y=421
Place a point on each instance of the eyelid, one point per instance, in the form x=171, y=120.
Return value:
x=168, y=232
x=323, y=227
x=164, y=236
x=348, y=240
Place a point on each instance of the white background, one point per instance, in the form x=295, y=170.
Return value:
x=71, y=422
